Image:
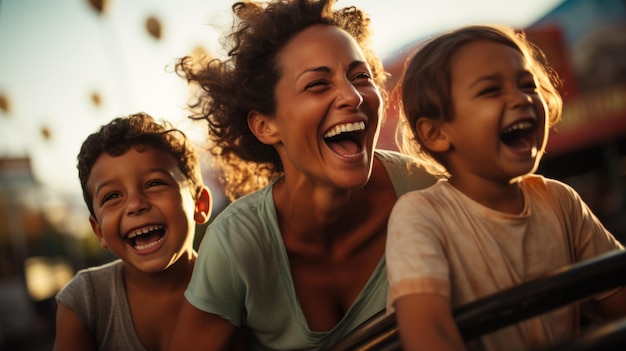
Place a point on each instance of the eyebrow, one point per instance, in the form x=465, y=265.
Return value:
x=112, y=181
x=103, y=184
x=326, y=69
x=493, y=77
x=490, y=77
x=99, y=187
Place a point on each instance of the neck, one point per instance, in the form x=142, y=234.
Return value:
x=326, y=214
x=502, y=197
x=307, y=211
x=174, y=277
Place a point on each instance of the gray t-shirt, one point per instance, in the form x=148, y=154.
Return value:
x=97, y=295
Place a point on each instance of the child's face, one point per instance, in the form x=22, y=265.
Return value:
x=144, y=209
x=498, y=130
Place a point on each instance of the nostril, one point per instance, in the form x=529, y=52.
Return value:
x=360, y=102
x=522, y=100
x=137, y=210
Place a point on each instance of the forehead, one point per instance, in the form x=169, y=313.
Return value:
x=484, y=56
x=136, y=160
x=317, y=46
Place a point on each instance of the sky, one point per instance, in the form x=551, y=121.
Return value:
x=55, y=55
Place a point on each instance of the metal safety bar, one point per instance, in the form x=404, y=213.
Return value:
x=558, y=288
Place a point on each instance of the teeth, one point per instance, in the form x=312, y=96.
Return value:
x=520, y=125
x=148, y=245
x=344, y=128
x=144, y=230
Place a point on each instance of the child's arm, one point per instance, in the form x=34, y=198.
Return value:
x=199, y=330
x=613, y=306
x=71, y=332
x=425, y=322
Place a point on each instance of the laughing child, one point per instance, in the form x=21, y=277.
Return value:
x=143, y=187
x=478, y=103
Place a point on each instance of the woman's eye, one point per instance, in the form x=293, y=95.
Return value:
x=362, y=76
x=316, y=83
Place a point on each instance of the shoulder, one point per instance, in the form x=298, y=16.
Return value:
x=429, y=207
x=537, y=180
x=106, y=269
x=247, y=210
x=394, y=159
x=424, y=204
x=92, y=284
x=98, y=274
x=391, y=157
x=405, y=172
x=556, y=189
x=247, y=224
x=246, y=204
x=432, y=196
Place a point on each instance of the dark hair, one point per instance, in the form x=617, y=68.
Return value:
x=137, y=130
x=426, y=81
x=247, y=79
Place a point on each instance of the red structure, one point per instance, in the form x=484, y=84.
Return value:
x=585, y=42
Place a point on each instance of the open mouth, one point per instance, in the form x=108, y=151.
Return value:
x=346, y=139
x=146, y=237
x=519, y=135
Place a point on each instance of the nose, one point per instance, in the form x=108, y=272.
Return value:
x=521, y=99
x=137, y=204
x=349, y=96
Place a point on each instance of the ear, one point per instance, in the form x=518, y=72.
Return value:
x=203, y=206
x=432, y=135
x=263, y=127
x=95, y=226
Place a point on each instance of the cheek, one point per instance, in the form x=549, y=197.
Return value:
x=297, y=117
x=110, y=219
x=107, y=225
x=374, y=100
x=541, y=109
x=99, y=228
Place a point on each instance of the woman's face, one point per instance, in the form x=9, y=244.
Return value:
x=328, y=109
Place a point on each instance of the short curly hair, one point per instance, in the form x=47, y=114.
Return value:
x=247, y=79
x=426, y=82
x=137, y=130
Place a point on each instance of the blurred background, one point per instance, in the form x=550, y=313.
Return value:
x=68, y=66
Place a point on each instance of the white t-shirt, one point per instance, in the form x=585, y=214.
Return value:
x=442, y=242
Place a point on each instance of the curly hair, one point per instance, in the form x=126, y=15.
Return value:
x=137, y=130
x=247, y=78
x=426, y=82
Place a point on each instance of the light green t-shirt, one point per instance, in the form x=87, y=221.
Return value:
x=242, y=272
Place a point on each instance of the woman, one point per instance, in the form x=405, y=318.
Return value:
x=294, y=114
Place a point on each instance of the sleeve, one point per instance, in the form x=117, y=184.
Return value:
x=591, y=238
x=75, y=295
x=416, y=262
x=216, y=286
